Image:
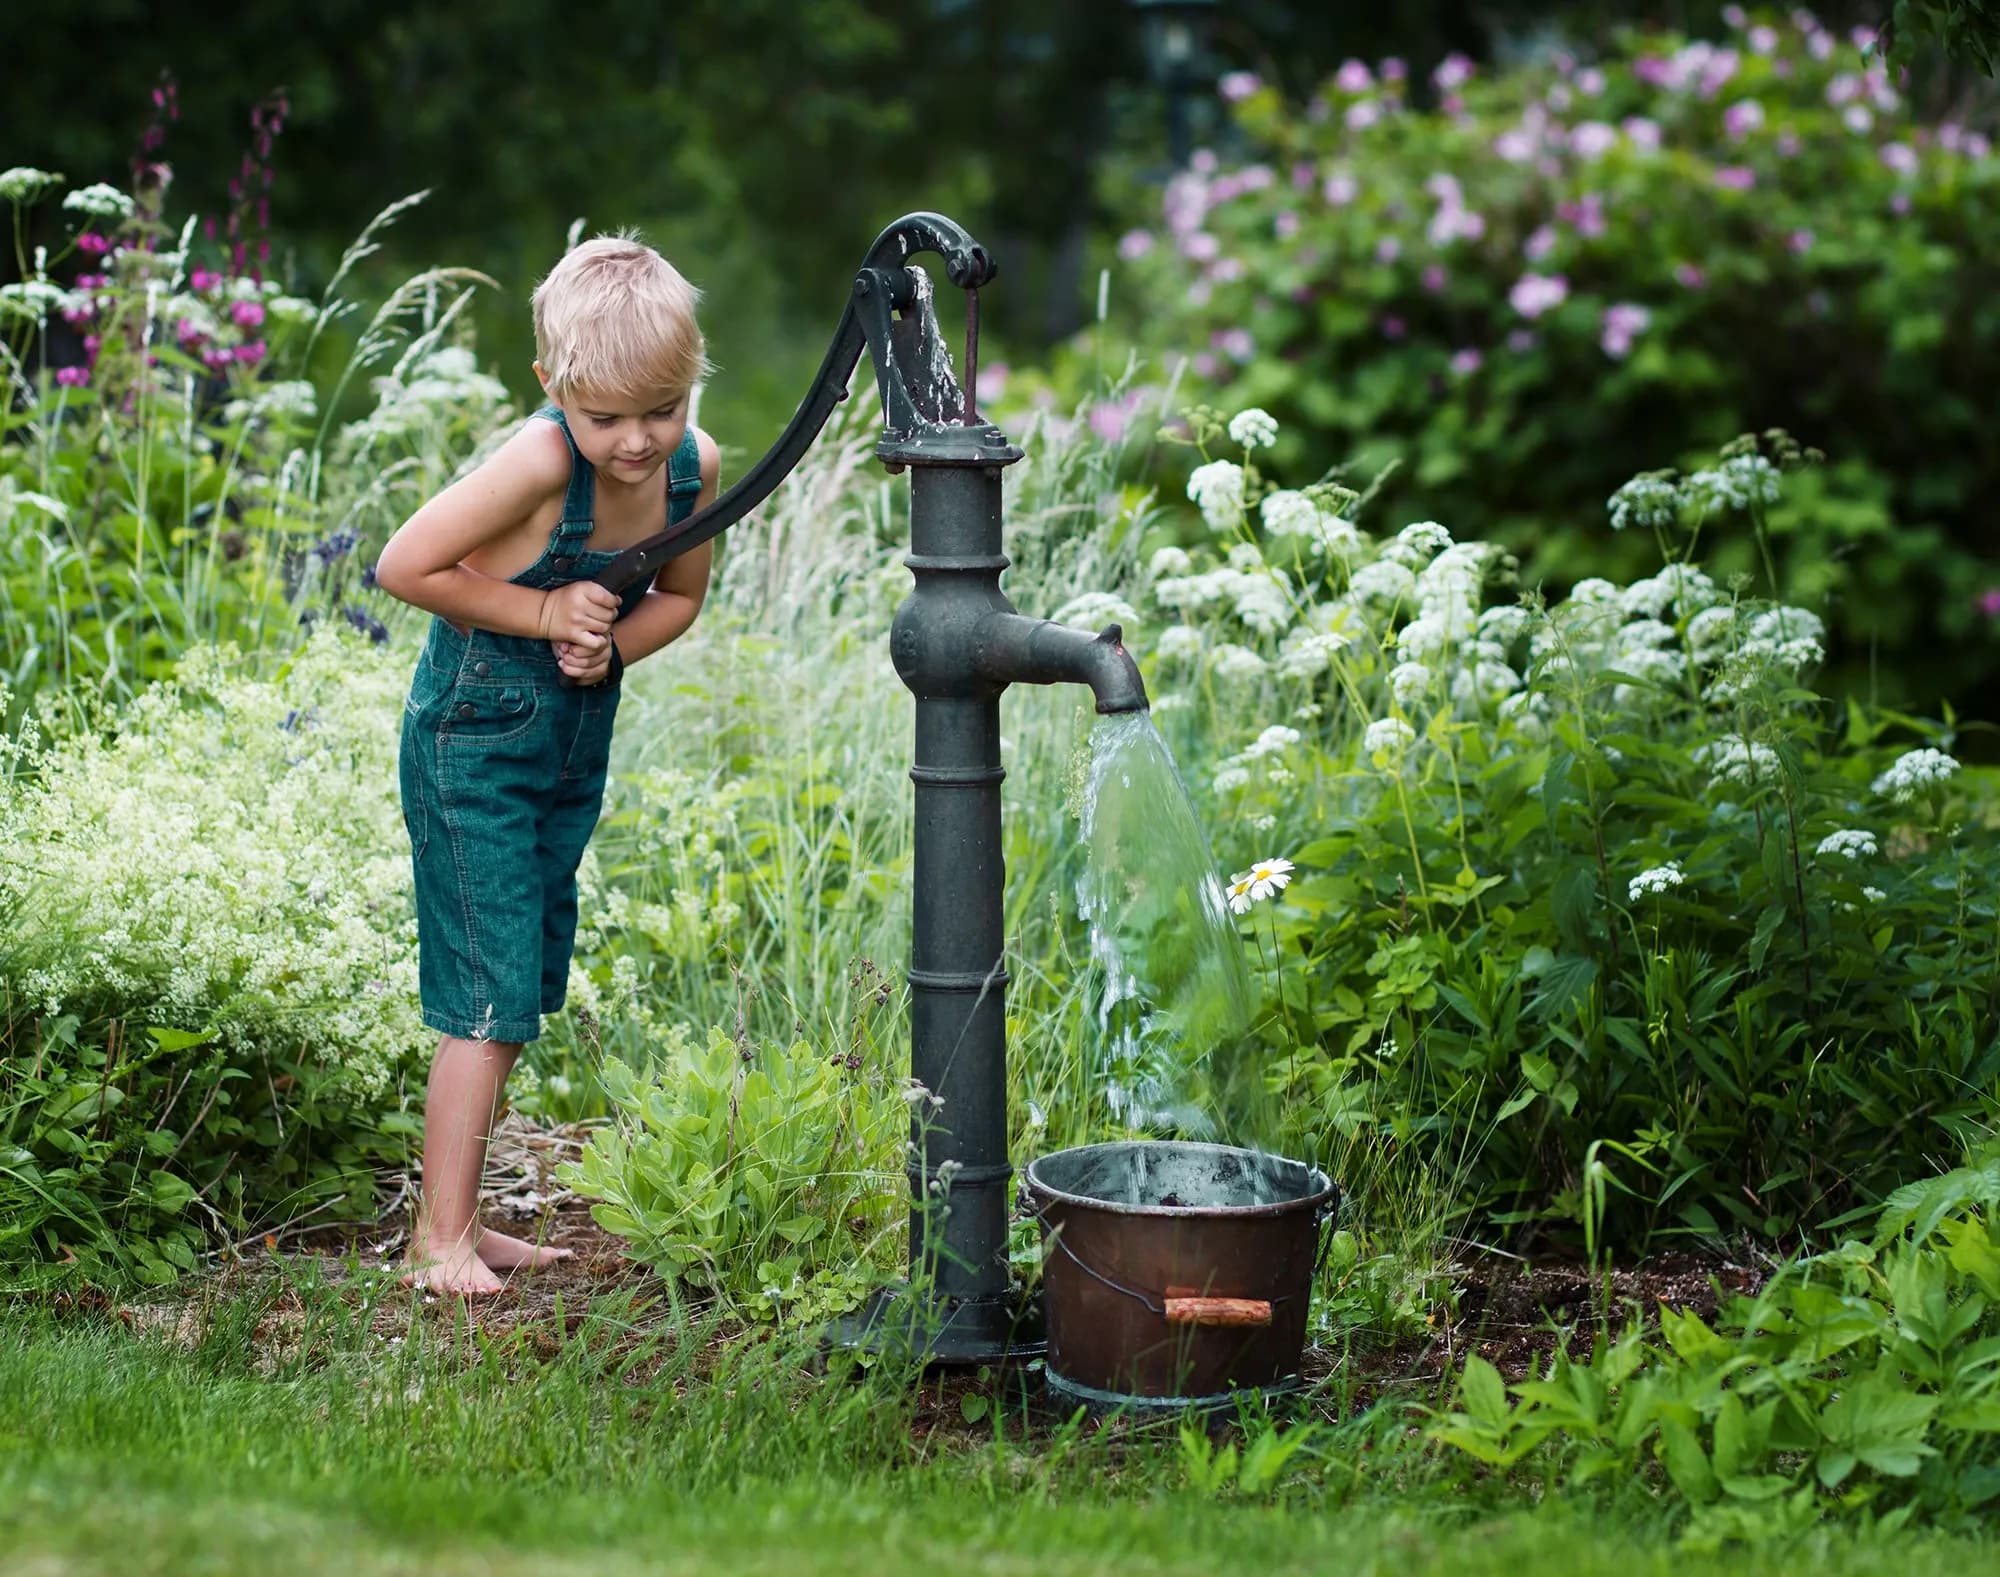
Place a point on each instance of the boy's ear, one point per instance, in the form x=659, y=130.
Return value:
x=541, y=377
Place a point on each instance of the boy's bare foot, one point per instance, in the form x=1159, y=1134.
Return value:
x=457, y=1270
x=500, y=1252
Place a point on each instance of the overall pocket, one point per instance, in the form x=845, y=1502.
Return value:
x=488, y=714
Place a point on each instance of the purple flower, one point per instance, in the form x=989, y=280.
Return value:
x=1622, y=322
x=1353, y=77
x=216, y=358
x=1735, y=16
x=1654, y=71
x=1236, y=343
x=1388, y=249
x=1989, y=602
x=1285, y=226
x=1204, y=364
x=1899, y=203
x=1517, y=144
x=203, y=279
x=1362, y=114
x=1742, y=118
x=1110, y=418
x=1236, y=86
x=1393, y=70
x=1592, y=139
x=1340, y=189
x=1735, y=177
x=1764, y=39
x=1202, y=247
x=1843, y=88
x=92, y=244
x=1522, y=340
x=1434, y=277
x=1788, y=143
x=1464, y=363
x=1303, y=175
x=249, y=355
x=1689, y=276
x=1800, y=241
x=993, y=376
x=1226, y=270
x=1540, y=243
x=1859, y=119
x=1202, y=161
x=1644, y=133
x=1899, y=157
x=368, y=581
x=335, y=545
x=1394, y=327
x=1590, y=81
x=73, y=377
x=367, y=623
x=247, y=314
x=1454, y=71
x=1534, y=294
x=1135, y=244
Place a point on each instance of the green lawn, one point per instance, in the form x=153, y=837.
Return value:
x=322, y=1435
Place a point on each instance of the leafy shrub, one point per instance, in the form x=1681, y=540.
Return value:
x=1858, y=1382
x=1567, y=272
x=770, y=1175
x=208, y=988
x=1597, y=905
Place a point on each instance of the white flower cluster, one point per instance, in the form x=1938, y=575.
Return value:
x=270, y=902
x=1648, y=500
x=99, y=202
x=1914, y=772
x=442, y=387
x=1257, y=594
x=25, y=184
x=1850, y=844
x=1738, y=762
x=292, y=398
x=1739, y=482
x=1217, y=489
x=1095, y=609
x=1660, y=879
x=1306, y=654
x=1253, y=429
x=1388, y=736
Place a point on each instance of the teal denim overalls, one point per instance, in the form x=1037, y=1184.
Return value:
x=502, y=773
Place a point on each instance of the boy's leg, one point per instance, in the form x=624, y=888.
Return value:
x=464, y=1095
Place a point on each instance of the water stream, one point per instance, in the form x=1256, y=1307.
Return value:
x=1174, y=1045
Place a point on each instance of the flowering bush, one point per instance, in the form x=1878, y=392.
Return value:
x=1530, y=291
x=254, y=924
x=1593, y=888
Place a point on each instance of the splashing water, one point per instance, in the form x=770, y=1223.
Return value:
x=1175, y=1049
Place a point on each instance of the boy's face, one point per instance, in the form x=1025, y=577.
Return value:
x=626, y=439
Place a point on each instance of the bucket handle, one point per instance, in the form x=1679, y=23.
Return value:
x=1181, y=1307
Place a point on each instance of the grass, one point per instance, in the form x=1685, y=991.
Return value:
x=308, y=1429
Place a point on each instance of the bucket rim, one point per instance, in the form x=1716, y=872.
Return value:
x=1321, y=1201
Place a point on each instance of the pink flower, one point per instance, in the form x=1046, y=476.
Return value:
x=1540, y=243
x=1202, y=247
x=1800, y=241
x=1735, y=16
x=1623, y=321
x=1303, y=175
x=1742, y=118
x=1393, y=70
x=993, y=376
x=1899, y=157
x=1843, y=88
x=1135, y=244
x=1204, y=365
x=1202, y=161
x=91, y=244
x=1388, y=249
x=1735, y=177
x=1340, y=189
x=1644, y=133
x=1109, y=419
x=1454, y=71
x=1434, y=277
x=1654, y=71
x=1522, y=340
x=1689, y=276
x=1226, y=270
x=1464, y=363
x=249, y=355
x=1362, y=114
x=1517, y=144
x=1534, y=294
x=1590, y=81
x=203, y=279
x=216, y=357
x=1592, y=139
x=1353, y=77
x=73, y=377
x=1899, y=203
x=1859, y=119
x=1788, y=143
x=247, y=314
x=1236, y=86
x=1236, y=343
x=1989, y=602
x=1285, y=226
x=1393, y=327
x=1764, y=39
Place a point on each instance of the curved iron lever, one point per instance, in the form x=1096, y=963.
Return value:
x=966, y=264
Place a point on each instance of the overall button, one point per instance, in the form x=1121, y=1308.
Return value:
x=563, y=560
x=482, y=669
x=465, y=709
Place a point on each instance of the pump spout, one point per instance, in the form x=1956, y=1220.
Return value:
x=1010, y=648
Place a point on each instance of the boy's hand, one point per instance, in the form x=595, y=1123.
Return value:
x=585, y=668
x=580, y=615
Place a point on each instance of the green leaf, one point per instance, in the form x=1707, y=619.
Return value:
x=1483, y=1392
x=972, y=1407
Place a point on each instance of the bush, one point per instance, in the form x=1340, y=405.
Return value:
x=1566, y=273
x=1596, y=903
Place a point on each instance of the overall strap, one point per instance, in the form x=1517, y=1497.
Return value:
x=580, y=501
x=683, y=479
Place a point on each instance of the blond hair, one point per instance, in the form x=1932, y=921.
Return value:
x=615, y=319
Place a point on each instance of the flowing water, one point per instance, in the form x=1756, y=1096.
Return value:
x=1174, y=1044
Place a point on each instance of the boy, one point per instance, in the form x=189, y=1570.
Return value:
x=502, y=767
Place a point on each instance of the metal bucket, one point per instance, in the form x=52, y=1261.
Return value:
x=1176, y=1275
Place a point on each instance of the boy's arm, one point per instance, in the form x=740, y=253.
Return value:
x=423, y=562
x=675, y=597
